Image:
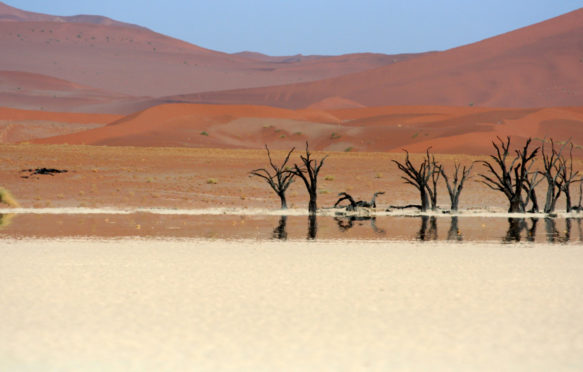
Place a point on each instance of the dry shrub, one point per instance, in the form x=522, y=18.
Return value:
x=7, y=198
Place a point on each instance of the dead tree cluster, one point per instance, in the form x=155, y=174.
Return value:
x=282, y=176
x=515, y=176
x=426, y=175
x=510, y=172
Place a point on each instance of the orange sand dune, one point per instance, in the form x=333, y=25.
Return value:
x=536, y=66
x=466, y=130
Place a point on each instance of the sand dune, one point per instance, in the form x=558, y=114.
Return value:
x=29, y=91
x=467, y=130
x=11, y=14
x=535, y=66
x=24, y=125
x=117, y=57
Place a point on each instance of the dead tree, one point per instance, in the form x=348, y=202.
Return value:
x=373, y=201
x=532, y=181
x=344, y=196
x=309, y=174
x=455, y=187
x=434, y=171
x=417, y=177
x=567, y=176
x=357, y=204
x=510, y=179
x=551, y=174
x=278, y=181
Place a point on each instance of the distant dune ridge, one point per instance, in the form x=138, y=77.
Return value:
x=117, y=57
x=166, y=92
x=536, y=66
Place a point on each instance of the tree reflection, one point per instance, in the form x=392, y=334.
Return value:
x=553, y=234
x=515, y=227
x=280, y=232
x=347, y=223
x=428, y=229
x=454, y=232
x=531, y=232
x=5, y=219
x=312, y=227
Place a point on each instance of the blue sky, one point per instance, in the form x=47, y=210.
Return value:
x=285, y=27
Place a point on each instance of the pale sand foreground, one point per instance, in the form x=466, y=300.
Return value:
x=150, y=305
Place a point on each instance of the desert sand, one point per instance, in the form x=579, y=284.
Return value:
x=192, y=178
x=141, y=305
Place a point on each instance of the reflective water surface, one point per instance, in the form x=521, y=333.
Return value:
x=266, y=227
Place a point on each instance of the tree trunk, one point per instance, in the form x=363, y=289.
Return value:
x=515, y=205
x=312, y=205
x=455, y=200
x=568, y=202
x=534, y=200
x=424, y=199
x=550, y=200
x=283, y=201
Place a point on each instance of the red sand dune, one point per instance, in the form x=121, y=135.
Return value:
x=466, y=130
x=536, y=66
x=117, y=57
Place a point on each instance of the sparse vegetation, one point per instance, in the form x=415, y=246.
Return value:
x=212, y=181
x=7, y=198
x=204, y=133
